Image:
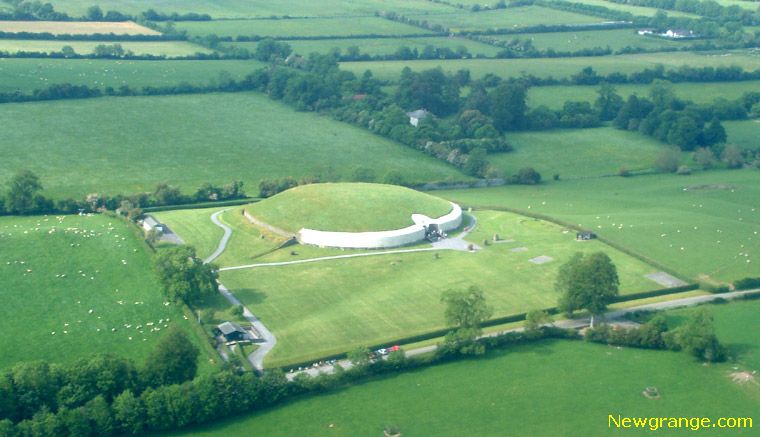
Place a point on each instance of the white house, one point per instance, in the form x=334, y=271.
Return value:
x=149, y=223
x=416, y=116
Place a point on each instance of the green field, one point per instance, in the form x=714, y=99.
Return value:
x=557, y=68
x=523, y=16
x=221, y=137
x=635, y=10
x=565, y=386
x=577, y=152
x=73, y=286
x=77, y=27
x=194, y=226
x=615, y=39
x=556, y=96
x=655, y=216
x=743, y=133
x=300, y=27
x=169, y=49
x=381, y=46
x=29, y=74
x=327, y=307
x=347, y=207
x=240, y=9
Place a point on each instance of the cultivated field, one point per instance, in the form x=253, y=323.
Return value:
x=347, y=207
x=556, y=96
x=507, y=18
x=559, y=67
x=328, y=307
x=27, y=74
x=169, y=49
x=78, y=285
x=655, y=215
x=615, y=39
x=381, y=46
x=76, y=28
x=577, y=386
x=127, y=145
x=577, y=152
x=300, y=27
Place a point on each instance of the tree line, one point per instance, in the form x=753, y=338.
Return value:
x=24, y=198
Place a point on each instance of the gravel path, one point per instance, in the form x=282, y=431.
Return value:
x=256, y=358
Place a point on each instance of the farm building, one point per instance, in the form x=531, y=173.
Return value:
x=416, y=116
x=149, y=222
x=232, y=331
x=585, y=235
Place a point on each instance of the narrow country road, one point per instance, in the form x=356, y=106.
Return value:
x=612, y=316
x=256, y=358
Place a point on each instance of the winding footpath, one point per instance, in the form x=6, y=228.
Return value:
x=256, y=358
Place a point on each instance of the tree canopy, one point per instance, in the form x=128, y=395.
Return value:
x=183, y=275
x=587, y=282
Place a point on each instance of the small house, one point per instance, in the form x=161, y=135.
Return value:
x=149, y=222
x=416, y=116
x=232, y=331
x=679, y=33
x=585, y=235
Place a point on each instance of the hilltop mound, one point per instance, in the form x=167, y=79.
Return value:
x=347, y=207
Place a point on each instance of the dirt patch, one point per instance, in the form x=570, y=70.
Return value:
x=518, y=249
x=709, y=187
x=744, y=377
x=541, y=259
x=76, y=27
x=665, y=279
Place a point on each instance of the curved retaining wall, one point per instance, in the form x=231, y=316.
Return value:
x=382, y=239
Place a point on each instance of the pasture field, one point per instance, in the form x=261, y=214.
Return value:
x=558, y=67
x=615, y=39
x=327, y=307
x=78, y=285
x=26, y=74
x=566, y=385
x=76, y=27
x=743, y=133
x=523, y=16
x=128, y=144
x=300, y=27
x=249, y=9
x=338, y=207
x=577, y=152
x=169, y=49
x=635, y=10
x=380, y=46
x=556, y=96
x=675, y=220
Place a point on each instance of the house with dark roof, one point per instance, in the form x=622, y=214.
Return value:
x=232, y=331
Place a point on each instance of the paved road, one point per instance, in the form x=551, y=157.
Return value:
x=256, y=358
x=612, y=316
x=225, y=237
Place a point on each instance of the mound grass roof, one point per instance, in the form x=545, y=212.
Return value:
x=347, y=207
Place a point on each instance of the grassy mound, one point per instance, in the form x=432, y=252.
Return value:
x=347, y=207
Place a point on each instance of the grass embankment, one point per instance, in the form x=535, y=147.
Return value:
x=711, y=229
x=565, y=385
x=349, y=207
x=69, y=292
x=327, y=307
x=243, y=136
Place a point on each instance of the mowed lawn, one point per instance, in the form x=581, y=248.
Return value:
x=577, y=152
x=707, y=230
x=28, y=74
x=696, y=92
x=76, y=27
x=78, y=285
x=549, y=388
x=188, y=140
x=559, y=67
x=523, y=16
x=333, y=306
x=347, y=207
x=381, y=46
x=194, y=227
x=310, y=27
x=166, y=48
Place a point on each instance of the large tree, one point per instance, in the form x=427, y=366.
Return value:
x=183, y=275
x=466, y=310
x=21, y=192
x=508, y=106
x=587, y=282
x=173, y=360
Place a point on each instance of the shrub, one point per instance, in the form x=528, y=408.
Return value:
x=624, y=172
x=683, y=170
